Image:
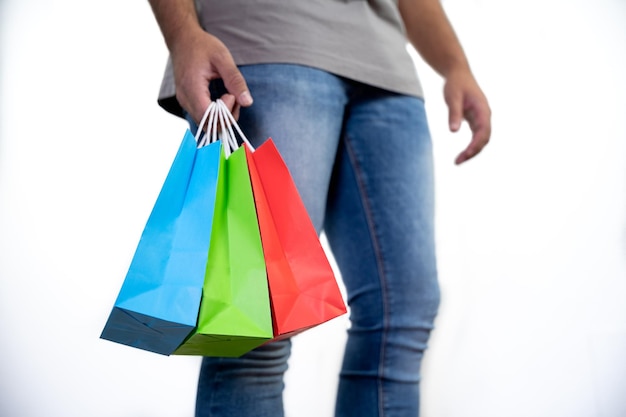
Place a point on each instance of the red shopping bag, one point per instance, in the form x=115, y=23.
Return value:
x=303, y=288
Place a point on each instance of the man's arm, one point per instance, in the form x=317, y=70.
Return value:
x=197, y=58
x=432, y=35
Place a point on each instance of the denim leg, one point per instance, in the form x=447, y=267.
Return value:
x=248, y=386
x=302, y=110
x=379, y=223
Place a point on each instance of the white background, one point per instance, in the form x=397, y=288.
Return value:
x=531, y=235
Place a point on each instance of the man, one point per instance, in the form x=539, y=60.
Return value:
x=331, y=82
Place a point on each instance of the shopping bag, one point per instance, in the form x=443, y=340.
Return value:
x=303, y=288
x=235, y=314
x=157, y=305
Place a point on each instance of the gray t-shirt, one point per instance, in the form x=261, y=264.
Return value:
x=363, y=40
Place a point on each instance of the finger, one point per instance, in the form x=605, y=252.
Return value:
x=236, y=111
x=466, y=155
x=231, y=104
x=480, y=138
x=229, y=101
x=455, y=111
x=478, y=116
x=197, y=104
x=234, y=81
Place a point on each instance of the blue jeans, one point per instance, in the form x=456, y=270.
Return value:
x=361, y=158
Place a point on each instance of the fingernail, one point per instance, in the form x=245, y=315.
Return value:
x=245, y=99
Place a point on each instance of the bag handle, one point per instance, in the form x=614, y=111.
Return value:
x=210, y=111
x=231, y=122
x=210, y=135
x=228, y=142
x=218, y=114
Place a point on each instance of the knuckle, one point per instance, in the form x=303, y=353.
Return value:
x=234, y=79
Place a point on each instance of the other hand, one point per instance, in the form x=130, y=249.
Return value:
x=466, y=101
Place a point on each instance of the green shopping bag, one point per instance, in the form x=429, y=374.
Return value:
x=235, y=315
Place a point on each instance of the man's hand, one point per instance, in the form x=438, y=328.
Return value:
x=198, y=58
x=466, y=100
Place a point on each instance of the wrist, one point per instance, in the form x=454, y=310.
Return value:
x=183, y=35
x=455, y=67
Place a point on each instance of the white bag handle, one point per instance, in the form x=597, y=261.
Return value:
x=209, y=111
x=227, y=141
x=210, y=135
x=218, y=114
x=233, y=122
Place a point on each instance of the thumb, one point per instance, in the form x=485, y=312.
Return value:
x=455, y=111
x=234, y=82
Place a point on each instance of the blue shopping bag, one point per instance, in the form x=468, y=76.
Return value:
x=158, y=303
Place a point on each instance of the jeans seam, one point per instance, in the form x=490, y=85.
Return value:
x=379, y=262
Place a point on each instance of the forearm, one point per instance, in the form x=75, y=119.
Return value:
x=175, y=18
x=430, y=32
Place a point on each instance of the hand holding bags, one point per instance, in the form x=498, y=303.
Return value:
x=253, y=232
